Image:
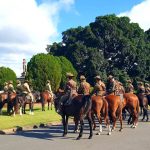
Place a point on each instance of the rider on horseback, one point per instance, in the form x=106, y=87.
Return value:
x=129, y=87
x=141, y=88
x=99, y=88
x=19, y=88
x=49, y=89
x=147, y=92
x=5, y=87
x=84, y=87
x=111, y=85
x=11, y=87
x=70, y=91
x=26, y=89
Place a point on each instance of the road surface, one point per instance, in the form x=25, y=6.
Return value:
x=51, y=138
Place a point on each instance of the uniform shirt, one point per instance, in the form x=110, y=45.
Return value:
x=26, y=88
x=141, y=90
x=11, y=88
x=48, y=87
x=71, y=86
x=6, y=88
x=130, y=88
x=84, y=88
x=99, y=88
x=111, y=87
x=147, y=90
x=19, y=88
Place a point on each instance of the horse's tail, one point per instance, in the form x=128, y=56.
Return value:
x=86, y=104
x=138, y=106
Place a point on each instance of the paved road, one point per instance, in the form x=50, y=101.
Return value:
x=50, y=138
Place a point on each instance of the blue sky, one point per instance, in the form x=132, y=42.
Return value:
x=27, y=26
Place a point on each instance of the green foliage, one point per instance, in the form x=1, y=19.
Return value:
x=109, y=44
x=6, y=74
x=66, y=66
x=43, y=67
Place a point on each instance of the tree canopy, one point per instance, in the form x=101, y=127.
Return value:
x=6, y=74
x=43, y=67
x=108, y=45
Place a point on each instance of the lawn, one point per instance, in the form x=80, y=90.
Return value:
x=48, y=116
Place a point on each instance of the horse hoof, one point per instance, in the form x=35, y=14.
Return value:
x=109, y=133
x=64, y=135
x=98, y=133
x=90, y=137
x=147, y=120
x=120, y=130
x=78, y=138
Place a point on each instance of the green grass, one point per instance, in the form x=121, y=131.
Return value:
x=48, y=116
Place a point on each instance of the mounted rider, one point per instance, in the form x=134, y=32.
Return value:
x=26, y=90
x=141, y=88
x=111, y=86
x=48, y=88
x=19, y=88
x=99, y=88
x=70, y=90
x=11, y=87
x=120, y=91
x=129, y=88
x=5, y=87
x=84, y=87
x=147, y=92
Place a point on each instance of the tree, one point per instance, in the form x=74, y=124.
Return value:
x=6, y=74
x=43, y=67
x=109, y=43
x=66, y=66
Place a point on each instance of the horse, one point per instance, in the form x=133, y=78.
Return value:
x=3, y=101
x=115, y=109
x=100, y=109
x=46, y=98
x=131, y=103
x=143, y=100
x=79, y=108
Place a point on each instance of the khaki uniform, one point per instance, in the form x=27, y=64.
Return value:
x=27, y=91
x=111, y=87
x=99, y=88
x=147, y=90
x=49, y=89
x=19, y=88
x=141, y=89
x=11, y=88
x=71, y=87
x=130, y=88
x=6, y=88
x=84, y=88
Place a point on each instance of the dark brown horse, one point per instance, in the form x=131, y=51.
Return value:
x=115, y=109
x=79, y=108
x=46, y=98
x=100, y=109
x=143, y=105
x=131, y=103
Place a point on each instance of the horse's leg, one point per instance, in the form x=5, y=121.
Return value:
x=81, y=128
x=48, y=105
x=100, y=123
x=120, y=119
x=76, y=121
x=66, y=127
x=93, y=121
x=114, y=120
x=141, y=110
x=51, y=105
x=90, y=124
x=64, y=124
x=144, y=113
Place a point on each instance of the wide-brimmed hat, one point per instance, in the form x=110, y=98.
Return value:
x=82, y=77
x=98, y=77
x=18, y=81
x=129, y=81
x=146, y=84
x=69, y=74
x=140, y=83
x=10, y=82
x=6, y=83
x=48, y=81
x=110, y=77
x=26, y=81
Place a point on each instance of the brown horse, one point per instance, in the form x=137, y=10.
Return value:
x=143, y=105
x=3, y=100
x=100, y=109
x=131, y=103
x=46, y=98
x=115, y=109
x=79, y=108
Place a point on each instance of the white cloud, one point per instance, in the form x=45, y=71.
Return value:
x=140, y=14
x=26, y=28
